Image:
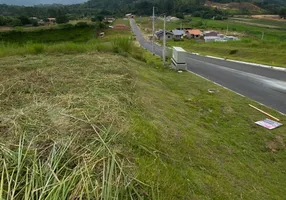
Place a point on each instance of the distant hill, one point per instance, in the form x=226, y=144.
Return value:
x=36, y=2
x=275, y=2
x=248, y=6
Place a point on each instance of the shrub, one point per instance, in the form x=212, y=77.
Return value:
x=62, y=19
x=35, y=48
x=81, y=25
x=122, y=44
x=232, y=52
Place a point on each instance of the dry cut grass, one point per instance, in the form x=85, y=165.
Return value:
x=62, y=119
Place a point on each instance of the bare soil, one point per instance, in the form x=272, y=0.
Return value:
x=224, y=6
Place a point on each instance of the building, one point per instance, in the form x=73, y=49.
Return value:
x=109, y=20
x=171, y=19
x=178, y=34
x=210, y=33
x=214, y=39
x=230, y=38
x=52, y=20
x=194, y=34
x=160, y=35
x=129, y=15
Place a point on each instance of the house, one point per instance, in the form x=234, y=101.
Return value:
x=230, y=38
x=194, y=34
x=220, y=35
x=129, y=15
x=178, y=34
x=210, y=33
x=171, y=19
x=109, y=20
x=34, y=18
x=160, y=35
x=52, y=20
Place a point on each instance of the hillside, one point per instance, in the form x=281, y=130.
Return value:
x=235, y=6
x=36, y=2
x=119, y=115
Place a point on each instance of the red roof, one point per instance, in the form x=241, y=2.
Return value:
x=194, y=32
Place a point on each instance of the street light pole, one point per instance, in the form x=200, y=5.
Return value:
x=164, y=42
x=153, y=30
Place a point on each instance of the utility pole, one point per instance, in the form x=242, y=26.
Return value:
x=164, y=42
x=153, y=30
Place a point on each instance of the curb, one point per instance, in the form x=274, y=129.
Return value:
x=247, y=63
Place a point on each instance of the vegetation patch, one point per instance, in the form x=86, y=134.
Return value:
x=98, y=125
x=77, y=33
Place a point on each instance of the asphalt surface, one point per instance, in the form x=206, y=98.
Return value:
x=266, y=86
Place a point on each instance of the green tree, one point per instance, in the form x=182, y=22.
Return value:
x=24, y=20
x=3, y=21
x=282, y=13
x=100, y=18
x=15, y=22
x=62, y=19
x=180, y=16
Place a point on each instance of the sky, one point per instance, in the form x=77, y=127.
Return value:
x=34, y=2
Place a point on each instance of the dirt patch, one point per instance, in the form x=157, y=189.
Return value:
x=237, y=6
x=256, y=24
x=276, y=144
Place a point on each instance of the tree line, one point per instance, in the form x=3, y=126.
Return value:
x=96, y=9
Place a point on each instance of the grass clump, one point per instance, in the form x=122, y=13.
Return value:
x=122, y=44
x=61, y=171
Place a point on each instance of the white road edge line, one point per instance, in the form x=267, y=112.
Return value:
x=249, y=63
x=236, y=92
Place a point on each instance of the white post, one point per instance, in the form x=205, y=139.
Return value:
x=153, y=30
x=164, y=42
x=262, y=37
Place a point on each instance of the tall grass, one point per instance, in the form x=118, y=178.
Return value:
x=122, y=44
x=116, y=45
x=63, y=171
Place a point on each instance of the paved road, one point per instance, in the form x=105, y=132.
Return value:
x=264, y=85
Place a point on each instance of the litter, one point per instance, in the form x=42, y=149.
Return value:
x=212, y=91
x=269, y=124
x=264, y=112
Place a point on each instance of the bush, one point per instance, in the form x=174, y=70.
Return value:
x=35, y=48
x=180, y=16
x=81, y=25
x=122, y=44
x=66, y=26
x=232, y=52
x=62, y=19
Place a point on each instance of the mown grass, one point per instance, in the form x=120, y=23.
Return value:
x=97, y=125
x=85, y=123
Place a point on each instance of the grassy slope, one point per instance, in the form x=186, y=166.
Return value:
x=270, y=51
x=185, y=142
x=49, y=36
